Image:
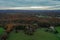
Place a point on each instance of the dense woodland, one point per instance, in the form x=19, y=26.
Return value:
x=6, y=18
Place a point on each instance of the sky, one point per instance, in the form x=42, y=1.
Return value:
x=30, y=4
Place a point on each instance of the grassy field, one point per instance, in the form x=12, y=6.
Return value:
x=40, y=34
x=1, y=30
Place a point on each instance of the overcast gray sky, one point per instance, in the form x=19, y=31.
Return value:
x=42, y=4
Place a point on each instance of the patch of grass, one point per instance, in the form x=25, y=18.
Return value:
x=38, y=35
x=58, y=35
x=1, y=30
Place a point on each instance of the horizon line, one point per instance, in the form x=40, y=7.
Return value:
x=30, y=8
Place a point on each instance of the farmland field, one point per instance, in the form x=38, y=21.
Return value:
x=40, y=34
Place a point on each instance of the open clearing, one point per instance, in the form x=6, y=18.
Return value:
x=40, y=34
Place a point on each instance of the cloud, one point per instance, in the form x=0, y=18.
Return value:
x=56, y=0
x=29, y=3
x=31, y=8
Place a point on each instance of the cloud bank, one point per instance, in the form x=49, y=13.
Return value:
x=30, y=4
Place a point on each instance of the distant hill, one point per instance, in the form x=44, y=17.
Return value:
x=2, y=11
x=41, y=12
